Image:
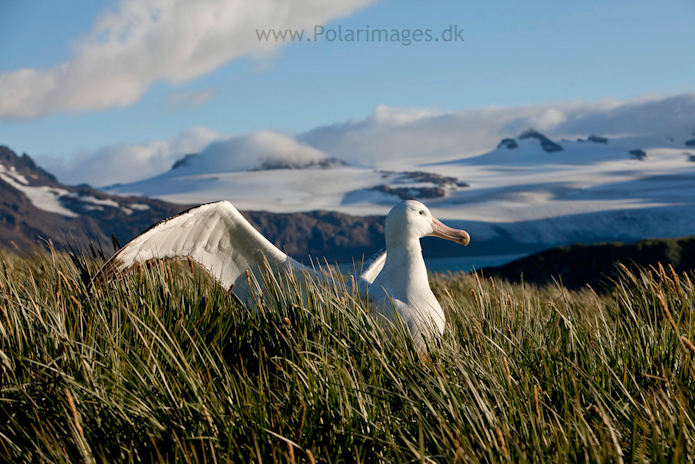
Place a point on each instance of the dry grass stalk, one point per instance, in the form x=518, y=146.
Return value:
x=675, y=277
x=507, y=371
x=595, y=410
x=7, y=319
x=451, y=299
x=74, y=300
x=251, y=288
x=301, y=423
x=690, y=284
x=73, y=409
x=688, y=344
x=208, y=418
x=75, y=285
x=627, y=272
x=667, y=312
x=63, y=278
x=500, y=441
x=310, y=457
x=290, y=451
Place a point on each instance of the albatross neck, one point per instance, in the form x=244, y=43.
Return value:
x=406, y=256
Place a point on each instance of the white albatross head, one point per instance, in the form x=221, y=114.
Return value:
x=411, y=220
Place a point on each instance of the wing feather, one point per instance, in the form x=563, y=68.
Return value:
x=372, y=267
x=216, y=236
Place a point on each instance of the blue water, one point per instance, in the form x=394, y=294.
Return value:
x=466, y=264
x=469, y=263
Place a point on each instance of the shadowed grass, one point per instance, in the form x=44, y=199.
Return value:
x=165, y=366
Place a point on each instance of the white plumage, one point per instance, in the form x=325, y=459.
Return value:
x=397, y=279
x=218, y=237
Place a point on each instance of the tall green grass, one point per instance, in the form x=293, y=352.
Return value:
x=166, y=366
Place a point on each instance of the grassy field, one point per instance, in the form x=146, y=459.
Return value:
x=165, y=366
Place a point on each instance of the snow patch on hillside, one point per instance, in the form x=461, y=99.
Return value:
x=43, y=197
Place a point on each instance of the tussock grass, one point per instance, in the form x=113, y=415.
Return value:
x=165, y=366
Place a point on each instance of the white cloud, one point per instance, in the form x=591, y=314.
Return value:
x=129, y=163
x=251, y=151
x=672, y=116
x=189, y=98
x=148, y=40
x=389, y=138
x=403, y=139
x=397, y=136
x=547, y=120
x=384, y=114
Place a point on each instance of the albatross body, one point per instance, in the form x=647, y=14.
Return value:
x=401, y=287
x=218, y=238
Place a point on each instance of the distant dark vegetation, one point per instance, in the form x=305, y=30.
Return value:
x=578, y=265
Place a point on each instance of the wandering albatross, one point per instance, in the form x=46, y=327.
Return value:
x=217, y=236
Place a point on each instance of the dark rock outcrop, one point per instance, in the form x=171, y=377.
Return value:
x=418, y=185
x=510, y=144
x=411, y=193
x=597, y=139
x=640, y=155
x=282, y=164
x=269, y=165
x=546, y=144
x=185, y=161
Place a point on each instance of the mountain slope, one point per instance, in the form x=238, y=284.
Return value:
x=524, y=178
x=528, y=194
x=35, y=206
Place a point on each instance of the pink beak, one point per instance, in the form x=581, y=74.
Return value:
x=439, y=229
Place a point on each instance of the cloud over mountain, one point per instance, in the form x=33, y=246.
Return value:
x=143, y=41
x=264, y=149
x=123, y=163
x=397, y=136
x=390, y=137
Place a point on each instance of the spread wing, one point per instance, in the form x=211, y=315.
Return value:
x=216, y=236
x=372, y=267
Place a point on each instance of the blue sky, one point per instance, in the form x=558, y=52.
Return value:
x=513, y=55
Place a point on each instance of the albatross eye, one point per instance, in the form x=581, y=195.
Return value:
x=422, y=212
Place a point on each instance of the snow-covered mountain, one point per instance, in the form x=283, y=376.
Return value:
x=36, y=208
x=528, y=193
